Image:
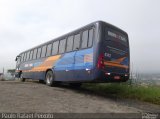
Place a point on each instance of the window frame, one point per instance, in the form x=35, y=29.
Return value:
x=28, y=54
x=53, y=48
x=38, y=53
x=78, y=33
x=50, y=49
x=67, y=43
x=64, y=39
x=22, y=55
x=31, y=55
x=86, y=30
x=90, y=28
x=34, y=58
x=92, y=37
x=42, y=51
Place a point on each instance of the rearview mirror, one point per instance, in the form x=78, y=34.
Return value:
x=17, y=58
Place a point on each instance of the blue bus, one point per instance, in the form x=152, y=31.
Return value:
x=97, y=52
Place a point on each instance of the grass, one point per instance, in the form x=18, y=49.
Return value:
x=121, y=90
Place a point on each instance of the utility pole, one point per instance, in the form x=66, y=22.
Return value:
x=3, y=70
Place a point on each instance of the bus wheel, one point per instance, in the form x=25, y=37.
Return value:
x=75, y=85
x=21, y=78
x=49, y=78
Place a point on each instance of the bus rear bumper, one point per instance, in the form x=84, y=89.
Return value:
x=112, y=77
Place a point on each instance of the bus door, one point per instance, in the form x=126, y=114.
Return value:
x=64, y=68
x=84, y=57
x=69, y=66
x=18, y=61
x=83, y=64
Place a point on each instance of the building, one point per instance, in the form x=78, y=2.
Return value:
x=1, y=76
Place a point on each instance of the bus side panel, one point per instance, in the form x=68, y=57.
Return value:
x=34, y=69
x=25, y=68
x=75, y=66
x=84, y=65
x=64, y=67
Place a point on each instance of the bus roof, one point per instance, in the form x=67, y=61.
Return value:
x=77, y=30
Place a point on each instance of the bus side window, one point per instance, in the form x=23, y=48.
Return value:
x=69, y=44
x=34, y=53
x=76, y=43
x=49, y=50
x=19, y=59
x=27, y=55
x=43, y=51
x=22, y=57
x=39, y=53
x=84, y=39
x=55, y=48
x=26, y=58
x=62, y=46
x=90, y=40
x=31, y=55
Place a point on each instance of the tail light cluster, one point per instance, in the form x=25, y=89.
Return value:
x=100, y=63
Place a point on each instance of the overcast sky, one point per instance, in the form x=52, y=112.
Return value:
x=27, y=23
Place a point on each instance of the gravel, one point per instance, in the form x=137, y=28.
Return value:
x=31, y=96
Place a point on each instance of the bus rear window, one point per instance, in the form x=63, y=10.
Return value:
x=116, y=36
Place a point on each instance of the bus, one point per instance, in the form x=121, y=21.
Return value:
x=97, y=52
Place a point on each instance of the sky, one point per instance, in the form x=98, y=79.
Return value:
x=27, y=23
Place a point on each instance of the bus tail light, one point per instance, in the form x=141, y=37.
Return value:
x=107, y=74
x=100, y=63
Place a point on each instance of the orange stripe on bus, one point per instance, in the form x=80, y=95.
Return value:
x=115, y=65
x=47, y=64
x=117, y=61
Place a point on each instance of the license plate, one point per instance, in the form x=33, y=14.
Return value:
x=117, y=77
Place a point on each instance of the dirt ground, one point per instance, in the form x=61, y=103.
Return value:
x=31, y=96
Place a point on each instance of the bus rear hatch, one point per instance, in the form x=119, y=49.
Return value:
x=114, y=58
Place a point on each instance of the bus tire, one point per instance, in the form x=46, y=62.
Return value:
x=49, y=79
x=21, y=78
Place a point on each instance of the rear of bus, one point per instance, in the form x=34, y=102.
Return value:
x=113, y=56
